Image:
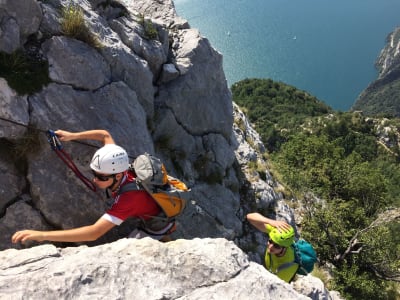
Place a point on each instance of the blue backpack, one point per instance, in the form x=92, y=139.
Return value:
x=305, y=256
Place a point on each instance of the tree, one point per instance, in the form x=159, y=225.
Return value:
x=364, y=251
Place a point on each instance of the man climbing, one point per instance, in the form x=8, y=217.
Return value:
x=279, y=256
x=110, y=170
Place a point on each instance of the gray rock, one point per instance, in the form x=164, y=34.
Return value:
x=153, y=51
x=201, y=87
x=168, y=73
x=138, y=269
x=75, y=63
x=314, y=288
x=51, y=23
x=389, y=58
x=13, y=108
x=18, y=19
x=128, y=67
x=20, y=215
x=9, y=34
x=381, y=95
x=11, y=181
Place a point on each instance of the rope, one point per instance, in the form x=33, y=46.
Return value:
x=43, y=131
x=58, y=148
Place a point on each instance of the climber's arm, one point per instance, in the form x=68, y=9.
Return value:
x=81, y=234
x=259, y=222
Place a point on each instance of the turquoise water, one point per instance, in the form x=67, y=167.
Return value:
x=326, y=47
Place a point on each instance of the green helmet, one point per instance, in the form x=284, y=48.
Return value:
x=284, y=239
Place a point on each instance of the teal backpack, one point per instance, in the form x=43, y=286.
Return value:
x=305, y=256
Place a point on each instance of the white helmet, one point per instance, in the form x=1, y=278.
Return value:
x=110, y=159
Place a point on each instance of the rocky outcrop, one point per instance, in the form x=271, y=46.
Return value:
x=166, y=96
x=142, y=269
x=153, y=94
x=382, y=95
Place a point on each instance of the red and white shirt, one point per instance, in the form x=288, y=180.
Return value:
x=137, y=204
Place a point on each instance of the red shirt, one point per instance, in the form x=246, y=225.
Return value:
x=137, y=204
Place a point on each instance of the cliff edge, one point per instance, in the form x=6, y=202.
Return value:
x=383, y=95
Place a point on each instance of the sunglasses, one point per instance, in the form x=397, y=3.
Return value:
x=274, y=245
x=102, y=177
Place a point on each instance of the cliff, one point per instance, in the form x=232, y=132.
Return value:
x=165, y=95
x=382, y=95
x=140, y=71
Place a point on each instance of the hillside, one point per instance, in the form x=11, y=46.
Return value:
x=383, y=95
x=344, y=168
x=274, y=106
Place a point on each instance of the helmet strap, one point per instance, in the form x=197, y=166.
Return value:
x=111, y=186
x=282, y=252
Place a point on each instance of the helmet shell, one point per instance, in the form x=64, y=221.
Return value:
x=284, y=238
x=110, y=159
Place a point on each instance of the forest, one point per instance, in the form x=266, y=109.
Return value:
x=343, y=169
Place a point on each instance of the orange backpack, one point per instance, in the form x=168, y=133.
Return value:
x=166, y=190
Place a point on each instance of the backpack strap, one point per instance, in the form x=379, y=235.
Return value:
x=134, y=186
x=130, y=186
x=286, y=265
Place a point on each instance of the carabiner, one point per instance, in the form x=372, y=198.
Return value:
x=54, y=141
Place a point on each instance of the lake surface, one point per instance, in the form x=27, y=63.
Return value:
x=325, y=47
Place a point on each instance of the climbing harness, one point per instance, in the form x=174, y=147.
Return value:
x=58, y=148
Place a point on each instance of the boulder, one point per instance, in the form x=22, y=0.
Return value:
x=139, y=269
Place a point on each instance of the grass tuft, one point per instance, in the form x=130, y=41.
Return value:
x=24, y=74
x=73, y=25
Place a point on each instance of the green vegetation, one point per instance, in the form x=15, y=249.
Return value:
x=382, y=97
x=27, y=144
x=24, y=74
x=150, y=31
x=73, y=25
x=347, y=180
x=274, y=106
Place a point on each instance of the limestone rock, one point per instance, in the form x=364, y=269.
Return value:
x=15, y=108
x=139, y=269
x=314, y=288
x=74, y=62
x=382, y=95
x=18, y=20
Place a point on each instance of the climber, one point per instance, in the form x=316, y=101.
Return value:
x=110, y=166
x=279, y=255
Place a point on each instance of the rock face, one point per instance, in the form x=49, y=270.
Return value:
x=383, y=95
x=139, y=269
x=165, y=95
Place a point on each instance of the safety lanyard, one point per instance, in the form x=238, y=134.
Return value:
x=59, y=150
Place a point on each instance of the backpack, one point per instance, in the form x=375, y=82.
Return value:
x=305, y=256
x=165, y=190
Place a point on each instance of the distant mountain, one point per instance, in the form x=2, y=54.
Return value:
x=383, y=95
